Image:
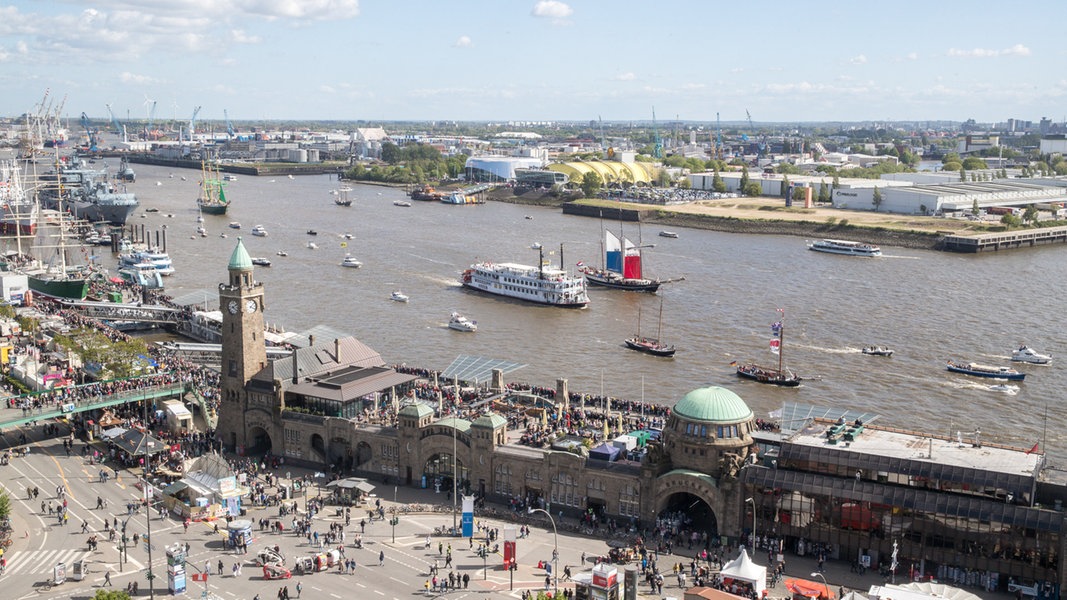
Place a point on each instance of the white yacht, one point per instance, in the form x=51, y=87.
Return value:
x=398, y=296
x=259, y=230
x=1029, y=355
x=351, y=262
x=461, y=323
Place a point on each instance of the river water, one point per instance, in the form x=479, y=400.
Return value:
x=928, y=306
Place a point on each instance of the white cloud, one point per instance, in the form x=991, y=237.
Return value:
x=553, y=9
x=326, y=89
x=127, y=77
x=1016, y=50
x=464, y=41
x=693, y=86
x=21, y=47
x=912, y=56
x=304, y=10
x=239, y=36
x=627, y=76
x=858, y=60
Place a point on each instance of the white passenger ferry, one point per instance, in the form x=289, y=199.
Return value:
x=543, y=284
x=845, y=247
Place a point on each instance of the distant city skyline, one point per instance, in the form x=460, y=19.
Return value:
x=535, y=60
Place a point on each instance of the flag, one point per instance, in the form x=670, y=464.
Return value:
x=733, y=363
x=781, y=310
x=199, y=576
x=580, y=264
x=1032, y=450
x=776, y=346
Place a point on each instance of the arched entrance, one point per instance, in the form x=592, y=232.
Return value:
x=259, y=442
x=439, y=471
x=690, y=515
x=363, y=453
x=318, y=447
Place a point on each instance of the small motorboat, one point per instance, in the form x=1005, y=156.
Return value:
x=313, y=246
x=201, y=231
x=878, y=350
x=312, y=232
x=351, y=262
x=263, y=262
x=290, y=177
x=398, y=296
x=461, y=323
x=668, y=234
x=990, y=371
x=235, y=225
x=259, y=230
x=151, y=210
x=1029, y=355
x=282, y=253
x=528, y=218
x=401, y=203
x=348, y=236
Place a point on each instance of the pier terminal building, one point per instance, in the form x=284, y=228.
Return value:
x=827, y=482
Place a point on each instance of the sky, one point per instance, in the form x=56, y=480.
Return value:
x=537, y=60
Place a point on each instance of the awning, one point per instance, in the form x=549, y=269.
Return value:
x=352, y=483
x=809, y=589
x=112, y=433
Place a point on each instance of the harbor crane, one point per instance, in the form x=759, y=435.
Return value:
x=120, y=129
x=761, y=144
x=229, y=126
x=90, y=132
x=192, y=122
x=657, y=148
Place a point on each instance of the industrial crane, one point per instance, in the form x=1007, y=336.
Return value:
x=718, y=140
x=657, y=148
x=90, y=132
x=229, y=126
x=761, y=145
x=192, y=122
x=120, y=129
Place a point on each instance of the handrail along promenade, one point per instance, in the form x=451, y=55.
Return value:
x=66, y=406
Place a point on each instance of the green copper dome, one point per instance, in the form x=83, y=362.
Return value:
x=713, y=404
x=240, y=260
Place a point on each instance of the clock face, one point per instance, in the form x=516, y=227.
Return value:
x=251, y=306
x=233, y=307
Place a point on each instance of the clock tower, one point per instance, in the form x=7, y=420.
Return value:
x=243, y=351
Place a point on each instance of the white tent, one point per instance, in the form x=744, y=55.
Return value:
x=744, y=569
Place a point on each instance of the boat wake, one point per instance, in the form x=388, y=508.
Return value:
x=1010, y=390
x=430, y=260
x=899, y=256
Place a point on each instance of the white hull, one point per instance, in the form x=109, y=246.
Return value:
x=845, y=248
x=549, y=286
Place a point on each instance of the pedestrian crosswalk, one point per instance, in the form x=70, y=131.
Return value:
x=32, y=562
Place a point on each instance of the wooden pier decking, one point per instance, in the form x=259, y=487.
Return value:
x=1006, y=240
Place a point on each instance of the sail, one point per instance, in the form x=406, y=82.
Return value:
x=613, y=259
x=632, y=261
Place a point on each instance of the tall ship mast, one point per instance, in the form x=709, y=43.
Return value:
x=212, y=199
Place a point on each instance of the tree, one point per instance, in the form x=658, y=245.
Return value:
x=973, y=163
x=876, y=198
x=744, y=179
x=717, y=184
x=391, y=153
x=5, y=505
x=111, y=595
x=963, y=174
x=1030, y=214
x=783, y=191
x=824, y=193
x=752, y=189
x=591, y=184
x=974, y=207
x=836, y=183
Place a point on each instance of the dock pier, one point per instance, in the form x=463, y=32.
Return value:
x=1006, y=240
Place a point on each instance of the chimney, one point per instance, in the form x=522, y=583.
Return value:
x=311, y=341
x=296, y=372
x=337, y=349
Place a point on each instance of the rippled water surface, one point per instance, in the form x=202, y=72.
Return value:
x=928, y=306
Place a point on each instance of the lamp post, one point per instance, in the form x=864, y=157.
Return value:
x=555, y=548
x=394, y=522
x=455, y=465
x=753, y=501
x=147, y=504
x=825, y=586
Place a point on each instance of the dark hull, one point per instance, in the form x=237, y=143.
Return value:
x=768, y=376
x=213, y=208
x=649, y=348
x=618, y=283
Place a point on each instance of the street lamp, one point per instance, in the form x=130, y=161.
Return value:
x=394, y=522
x=147, y=504
x=825, y=587
x=753, y=501
x=555, y=548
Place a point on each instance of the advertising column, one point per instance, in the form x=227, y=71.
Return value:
x=510, y=535
x=467, y=525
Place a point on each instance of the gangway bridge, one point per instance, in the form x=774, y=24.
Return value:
x=115, y=311
x=209, y=354
x=12, y=415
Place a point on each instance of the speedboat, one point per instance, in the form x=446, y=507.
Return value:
x=263, y=262
x=313, y=246
x=398, y=296
x=235, y=225
x=312, y=232
x=1029, y=355
x=878, y=350
x=282, y=253
x=351, y=262
x=401, y=203
x=259, y=230
x=201, y=231
x=461, y=323
x=668, y=234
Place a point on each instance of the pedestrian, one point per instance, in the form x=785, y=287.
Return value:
x=299, y=587
x=107, y=578
x=381, y=558
x=220, y=567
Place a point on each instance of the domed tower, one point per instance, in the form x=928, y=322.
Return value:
x=709, y=431
x=243, y=351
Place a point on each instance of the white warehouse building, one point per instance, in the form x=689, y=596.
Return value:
x=949, y=197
